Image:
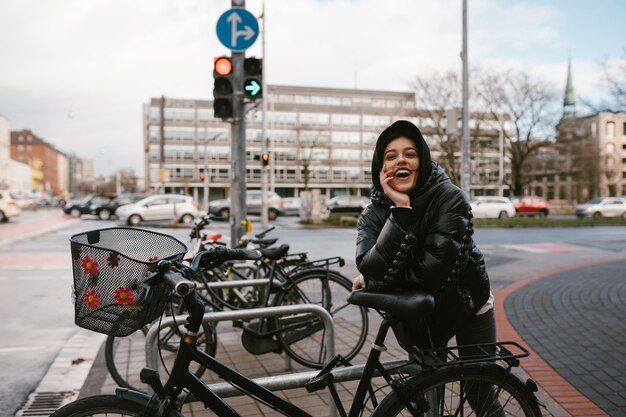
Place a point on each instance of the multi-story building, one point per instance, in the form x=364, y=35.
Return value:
x=319, y=138
x=28, y=148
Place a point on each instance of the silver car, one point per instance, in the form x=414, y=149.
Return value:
x=603, y=207
x=221, y=208
x=174, y=207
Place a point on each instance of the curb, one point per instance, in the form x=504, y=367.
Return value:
x=66, y=376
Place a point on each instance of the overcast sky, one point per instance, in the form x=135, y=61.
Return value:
x=77, y=72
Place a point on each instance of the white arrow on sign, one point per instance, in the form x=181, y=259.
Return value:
x=234, y=20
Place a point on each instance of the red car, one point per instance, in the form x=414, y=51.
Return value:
x=531, y=205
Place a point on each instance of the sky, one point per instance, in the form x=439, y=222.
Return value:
x=77, y=72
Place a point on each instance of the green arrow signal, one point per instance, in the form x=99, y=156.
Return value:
x=252, y=87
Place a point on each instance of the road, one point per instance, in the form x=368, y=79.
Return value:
x=35, y=279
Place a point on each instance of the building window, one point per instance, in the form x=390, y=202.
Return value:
x=624, y=129
x=610, y=129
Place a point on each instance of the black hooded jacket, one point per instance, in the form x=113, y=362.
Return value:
x=429, y=247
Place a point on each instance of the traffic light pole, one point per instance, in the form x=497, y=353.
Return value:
x=264, y=140
x=238, y=154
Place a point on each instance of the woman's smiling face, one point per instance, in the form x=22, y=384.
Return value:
x=401, y=162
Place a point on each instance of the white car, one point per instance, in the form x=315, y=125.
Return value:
x=492, y=207
x=8, y=206
x=603, y=207
x=275, y=205
x=174, y=207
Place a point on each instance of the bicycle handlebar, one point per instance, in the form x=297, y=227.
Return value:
x=178, y=282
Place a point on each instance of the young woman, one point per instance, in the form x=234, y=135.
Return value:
x=417, y=233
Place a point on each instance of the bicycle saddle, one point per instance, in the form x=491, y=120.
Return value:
x=265, y=241
x=275, y=252
x=401, y=305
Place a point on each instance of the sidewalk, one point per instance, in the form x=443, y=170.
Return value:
x=526, y=287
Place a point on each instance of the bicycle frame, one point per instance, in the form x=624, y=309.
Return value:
x=182, y=378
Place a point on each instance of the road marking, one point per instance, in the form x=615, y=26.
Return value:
x=28, y=278
x=22, y=349
x=547, y=247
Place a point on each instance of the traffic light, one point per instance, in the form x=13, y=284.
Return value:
x=201, y=176
x=223, y=87
x=265, y=159
x=253, y=78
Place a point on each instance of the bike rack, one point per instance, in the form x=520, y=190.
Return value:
x=294, y=381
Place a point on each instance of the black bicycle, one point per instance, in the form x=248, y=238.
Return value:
x=301, y=336
x=442, y=385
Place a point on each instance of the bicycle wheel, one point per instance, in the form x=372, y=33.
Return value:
x=490, y=389
x=126, y=356
x=302, y=336
x=101, y=405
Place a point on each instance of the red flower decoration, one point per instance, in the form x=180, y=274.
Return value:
x=92, y=299
x=124, y=296
x=90, y=266
x=152, y=268
x=113, y=259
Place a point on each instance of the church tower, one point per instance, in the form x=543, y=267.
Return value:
x=569, y=100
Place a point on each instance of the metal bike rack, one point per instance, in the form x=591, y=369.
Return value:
x=293, y=381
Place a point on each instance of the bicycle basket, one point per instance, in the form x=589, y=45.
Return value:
x=111, y=292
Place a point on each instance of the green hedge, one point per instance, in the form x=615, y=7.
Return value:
x=548, y=222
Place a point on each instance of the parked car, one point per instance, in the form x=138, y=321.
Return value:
x=106, y=209
x=492, y=207
x=291, y=206
x=181, y=208
x=602, y=207
x=346, y=204
x=221, y=208
x=531, y=205
x=76, y=208
x=8, y=206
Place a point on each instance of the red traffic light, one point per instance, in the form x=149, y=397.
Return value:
x=223, y=66
x=265, y=158
x=202, y=176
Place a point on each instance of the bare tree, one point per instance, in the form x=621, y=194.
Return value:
x=614, y=78
x=530, y=104
x=128, y=180
x=434, y=94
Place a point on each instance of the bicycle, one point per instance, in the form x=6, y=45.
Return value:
x=300, y=337
x=440, y=387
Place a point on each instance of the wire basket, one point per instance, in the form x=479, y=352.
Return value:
x=111, y=291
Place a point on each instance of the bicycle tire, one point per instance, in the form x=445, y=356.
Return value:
x=125, y=369
x=514, y=397
x=303, y=342
x=99, y=405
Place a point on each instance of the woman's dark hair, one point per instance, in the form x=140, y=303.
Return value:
x=394, y=131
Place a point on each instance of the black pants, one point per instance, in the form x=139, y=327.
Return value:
x=479, y=329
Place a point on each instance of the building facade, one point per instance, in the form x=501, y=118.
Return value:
x=318, y=138
x=43, y=158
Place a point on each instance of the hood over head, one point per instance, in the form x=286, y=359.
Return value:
x=394, y=131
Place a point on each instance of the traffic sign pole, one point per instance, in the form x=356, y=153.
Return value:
x=237, y=29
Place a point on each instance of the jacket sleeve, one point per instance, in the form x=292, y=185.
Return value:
x=382, y=247
x=444, y=249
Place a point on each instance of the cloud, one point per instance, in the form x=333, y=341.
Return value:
x=102, y=59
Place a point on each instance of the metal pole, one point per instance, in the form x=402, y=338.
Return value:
x=264, y=170
x=465, y=144
x=205, y=198
x=501, y=167
x=238, y=149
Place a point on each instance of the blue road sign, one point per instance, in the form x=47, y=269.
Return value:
x=237, y=29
